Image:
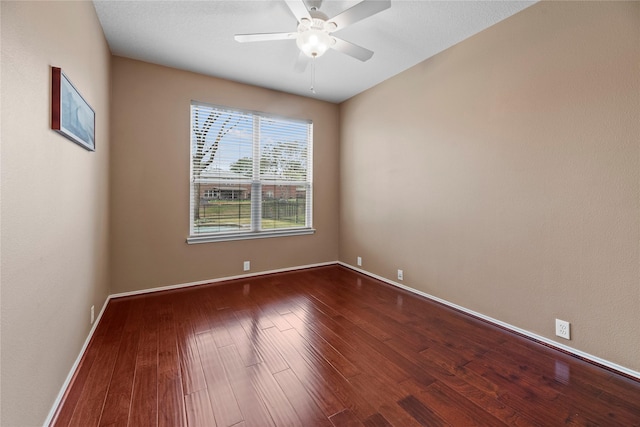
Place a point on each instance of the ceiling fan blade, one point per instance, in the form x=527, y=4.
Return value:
x=301, y=62
x=360, y=11
x=351, y=49
x=299, y=9
x=265, y=37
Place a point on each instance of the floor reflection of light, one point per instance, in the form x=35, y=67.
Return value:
x=305, y=314
x=200, y=345
x=359, y=283
x=246, y=289
x=399, y=301
x=563, y=372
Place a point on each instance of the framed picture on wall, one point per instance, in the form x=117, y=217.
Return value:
x=71, y=115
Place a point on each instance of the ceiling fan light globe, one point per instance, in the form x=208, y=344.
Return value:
x=314, y=43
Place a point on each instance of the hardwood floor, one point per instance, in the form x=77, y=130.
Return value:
x=326, y=347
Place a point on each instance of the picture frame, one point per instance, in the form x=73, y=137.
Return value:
x=71, y=114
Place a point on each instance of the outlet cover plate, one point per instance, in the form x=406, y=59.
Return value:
x=563, y=329
x=247, y=265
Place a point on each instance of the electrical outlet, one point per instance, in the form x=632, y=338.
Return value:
x=247, y=265
x=359, y=261
x=400, y=275
x=93, y=317
x=563, y=329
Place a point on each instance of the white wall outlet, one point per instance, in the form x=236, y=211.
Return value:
x=400, y=275
x=359, y=261
x=93, y=317
x=247, y=265
x=563, y=329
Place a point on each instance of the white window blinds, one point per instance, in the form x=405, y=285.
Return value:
x=250, y=174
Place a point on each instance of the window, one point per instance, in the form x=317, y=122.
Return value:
x=251, y=175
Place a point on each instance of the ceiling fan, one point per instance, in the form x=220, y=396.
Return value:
x=314, y=35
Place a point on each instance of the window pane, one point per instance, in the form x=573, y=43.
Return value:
x=221, y=170
x=283, y=206
x=283, y=150
x=222, y=209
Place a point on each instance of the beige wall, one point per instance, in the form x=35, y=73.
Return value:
x=150, y=180
x=54, y=202
x=503, y=175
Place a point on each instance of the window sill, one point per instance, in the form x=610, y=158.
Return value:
x=225, y=237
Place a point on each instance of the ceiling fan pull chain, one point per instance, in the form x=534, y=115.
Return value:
x=313, y=74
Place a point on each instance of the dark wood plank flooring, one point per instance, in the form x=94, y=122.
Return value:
x=326, y=347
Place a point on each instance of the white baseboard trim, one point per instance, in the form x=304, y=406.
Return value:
x=550, y=343
x=222, y=279
x=74, y=367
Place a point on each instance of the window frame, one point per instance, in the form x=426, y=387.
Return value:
x=257, y=185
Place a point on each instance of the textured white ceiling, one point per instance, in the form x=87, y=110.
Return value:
x=198, y=36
